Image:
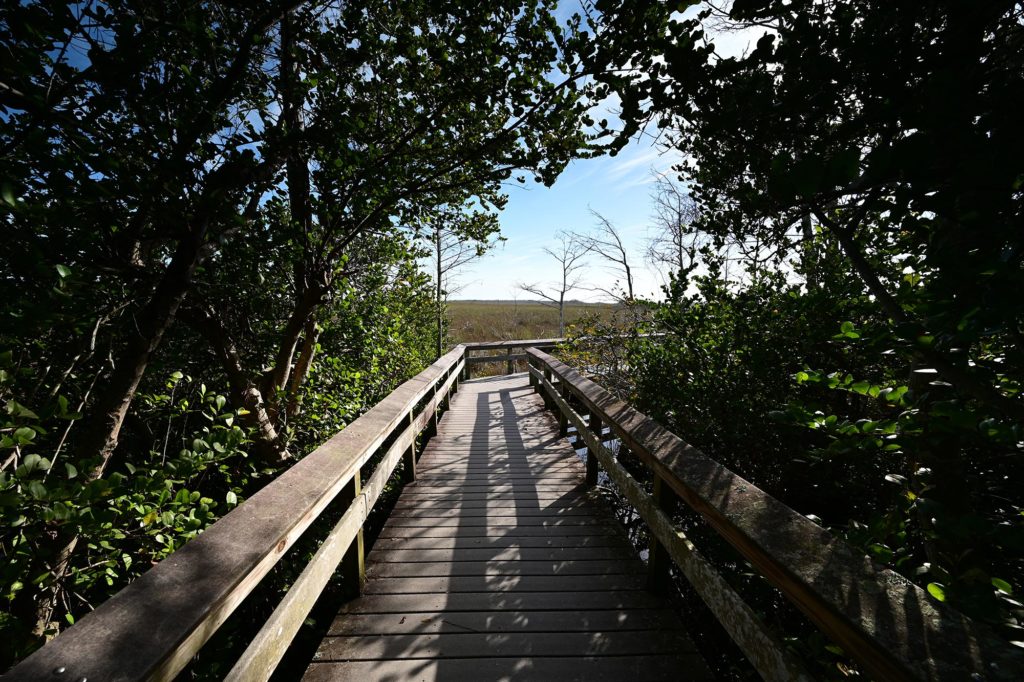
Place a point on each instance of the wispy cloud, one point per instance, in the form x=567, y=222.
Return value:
x=627, y=166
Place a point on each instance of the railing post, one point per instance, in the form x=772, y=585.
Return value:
x=659, y=563
x=409, y=456
x=544, y=393
x=508, y=363
x=592, y=467
x=563, y=420
x=353, y=564
x=432, y=424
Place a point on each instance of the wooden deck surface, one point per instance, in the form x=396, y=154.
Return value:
x=497, y=565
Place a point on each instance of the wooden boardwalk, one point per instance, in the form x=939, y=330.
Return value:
x=498, y=565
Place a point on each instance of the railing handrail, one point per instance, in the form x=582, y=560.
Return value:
x=514, y=343
x=161, y=620
x=885, y=622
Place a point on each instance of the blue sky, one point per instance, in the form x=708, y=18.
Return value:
x=617, y=187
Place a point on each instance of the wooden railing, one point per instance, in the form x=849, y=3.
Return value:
x=503, y=352
x=153, y=627
x=886, y=623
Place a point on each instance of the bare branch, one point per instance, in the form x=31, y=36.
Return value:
x=676, y=243
x=607, y=243
x=570, y=252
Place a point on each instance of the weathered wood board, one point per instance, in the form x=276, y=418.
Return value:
x=497, y=564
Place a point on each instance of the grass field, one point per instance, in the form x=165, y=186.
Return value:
x=507, y=320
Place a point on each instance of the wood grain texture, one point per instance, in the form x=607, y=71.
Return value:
x=153, y=627
x=649, y=668
x=500, y=563
x=770, y=657
x=888, y=624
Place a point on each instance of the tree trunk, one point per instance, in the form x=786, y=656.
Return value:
x=439, y=293
x=244, y=391
x=305, y=305
x=302, y=365
x=561, y=314
x=103, y=427
x=960, y=377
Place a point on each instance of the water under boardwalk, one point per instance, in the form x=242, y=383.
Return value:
x=497, y=564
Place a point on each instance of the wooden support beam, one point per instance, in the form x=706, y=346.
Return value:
x=503, y=357
x=767, y=654
x=268, y=647
x=889, y=625
x=409, y=454
x=156, y=625
x=353, y=563
x=592, y=463
x=547, y=399
x=563, y=421
x=659, y=563
x=432, y=425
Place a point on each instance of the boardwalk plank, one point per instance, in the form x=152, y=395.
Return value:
x=507, y=583
x=564, y=669
x=518, y=644
x=498, y=563
x=405, y=556
x=486, y=568
x=489, y=621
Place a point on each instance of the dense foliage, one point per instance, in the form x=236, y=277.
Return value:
x=209, y=214
x=863, y=165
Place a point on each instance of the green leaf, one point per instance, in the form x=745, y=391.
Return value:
x=72, y=471
x=63, y=271
x=232, y=498
x=861, y=387
x=30, y=463
x=7, y=193
x=25, y=435
x=16, y=409
x=1002, y=585
x=937, y=590
x=61, y=511
x=36, y=489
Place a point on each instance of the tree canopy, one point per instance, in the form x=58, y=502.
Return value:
x=201, y=195
x=871, y=352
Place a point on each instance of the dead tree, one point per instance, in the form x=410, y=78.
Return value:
x=675, y=242
x=606, y=242
x=569, y=252
x=455, y=239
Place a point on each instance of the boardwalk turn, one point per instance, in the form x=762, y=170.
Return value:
x=496, y=564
